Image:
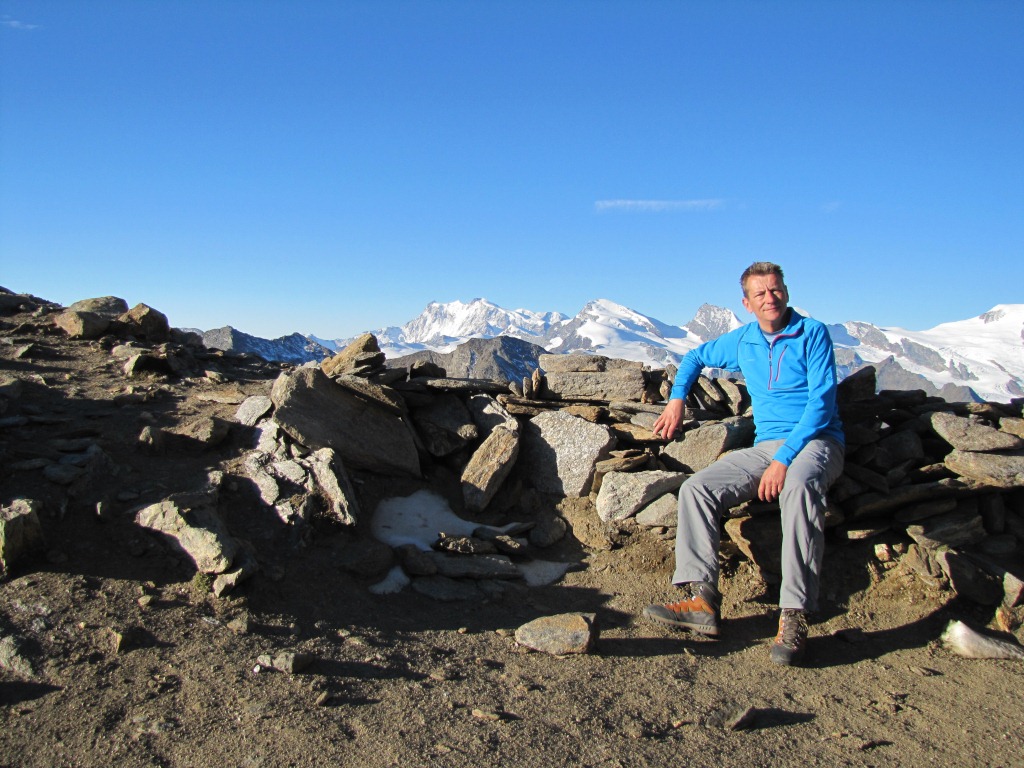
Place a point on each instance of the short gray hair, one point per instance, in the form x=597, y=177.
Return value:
x=759, y=268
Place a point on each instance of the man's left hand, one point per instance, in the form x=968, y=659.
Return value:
x=772, y=481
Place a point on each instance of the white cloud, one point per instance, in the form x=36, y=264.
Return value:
x=10, y=23
x=658, y=206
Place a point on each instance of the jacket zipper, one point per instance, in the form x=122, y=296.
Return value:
x=773, y=372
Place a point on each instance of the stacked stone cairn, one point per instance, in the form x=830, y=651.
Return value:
x=948, y=478
x=940, y=485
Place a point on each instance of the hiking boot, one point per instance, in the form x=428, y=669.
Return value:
x=791, y=642
x=697, y=611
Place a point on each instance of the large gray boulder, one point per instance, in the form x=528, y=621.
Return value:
x=701, y=447
x=559, y=452
x=110, y=307
x=81, y=324
x=192, y=524
x=317, y=413
x=144, y=322
x=623, y=494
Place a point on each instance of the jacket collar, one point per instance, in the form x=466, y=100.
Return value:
x=793, y=328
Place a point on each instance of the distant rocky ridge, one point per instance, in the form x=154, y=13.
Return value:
x=503, y=358
x=974, y=359
x=295, y=348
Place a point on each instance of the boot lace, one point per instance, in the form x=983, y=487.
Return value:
x=792, y=628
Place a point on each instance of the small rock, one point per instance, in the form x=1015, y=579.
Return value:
x=483, y=714
x=560, y=635
x=741, y=719
x=62, y=474
x=253, y=409
x=292, y=662
x=464, y=545
x=11, y=658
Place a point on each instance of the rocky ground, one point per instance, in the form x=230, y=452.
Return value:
x=115, y=652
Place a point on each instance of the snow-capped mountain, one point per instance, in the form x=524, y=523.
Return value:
x=985, y=353
x=982, y=357
x=710, y=322
x=602, y=326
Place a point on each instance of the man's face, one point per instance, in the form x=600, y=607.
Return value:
x=766, y=296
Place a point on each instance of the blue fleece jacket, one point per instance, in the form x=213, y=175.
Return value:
x=792, y=381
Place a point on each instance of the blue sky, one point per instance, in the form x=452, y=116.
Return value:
x=332, y=167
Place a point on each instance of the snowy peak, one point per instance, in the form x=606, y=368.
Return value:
x=710, y=322
x=611, y=329
x=985, y=352
x=446, y=325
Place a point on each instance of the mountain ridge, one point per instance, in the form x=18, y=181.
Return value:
x=976, y=358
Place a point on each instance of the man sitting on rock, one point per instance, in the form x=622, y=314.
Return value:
x=790, y=371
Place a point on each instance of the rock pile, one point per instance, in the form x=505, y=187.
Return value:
x=311, y=441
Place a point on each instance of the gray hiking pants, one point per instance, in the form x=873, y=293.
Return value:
x=733, y=479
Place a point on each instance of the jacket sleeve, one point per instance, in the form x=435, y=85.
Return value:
x=722, y=352
x=821, y=394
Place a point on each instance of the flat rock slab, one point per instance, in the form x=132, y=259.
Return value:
x=999, y=470
x=953, y=529
x=474, y=566
x=622, y=384
x=253, y=409
x=487, y=469
x=967, y=435
x=561, y=635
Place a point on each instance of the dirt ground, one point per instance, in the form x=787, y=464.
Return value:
x=136, y=664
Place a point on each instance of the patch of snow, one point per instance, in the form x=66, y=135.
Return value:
x=418, y=519
x=392, y=584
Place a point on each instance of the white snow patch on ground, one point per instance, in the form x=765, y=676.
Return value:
x=394, y=582
x=539, y=573
x=419, y=518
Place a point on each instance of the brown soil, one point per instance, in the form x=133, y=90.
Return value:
x=136, y=664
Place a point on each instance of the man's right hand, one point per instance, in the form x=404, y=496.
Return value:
x=670, y=419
